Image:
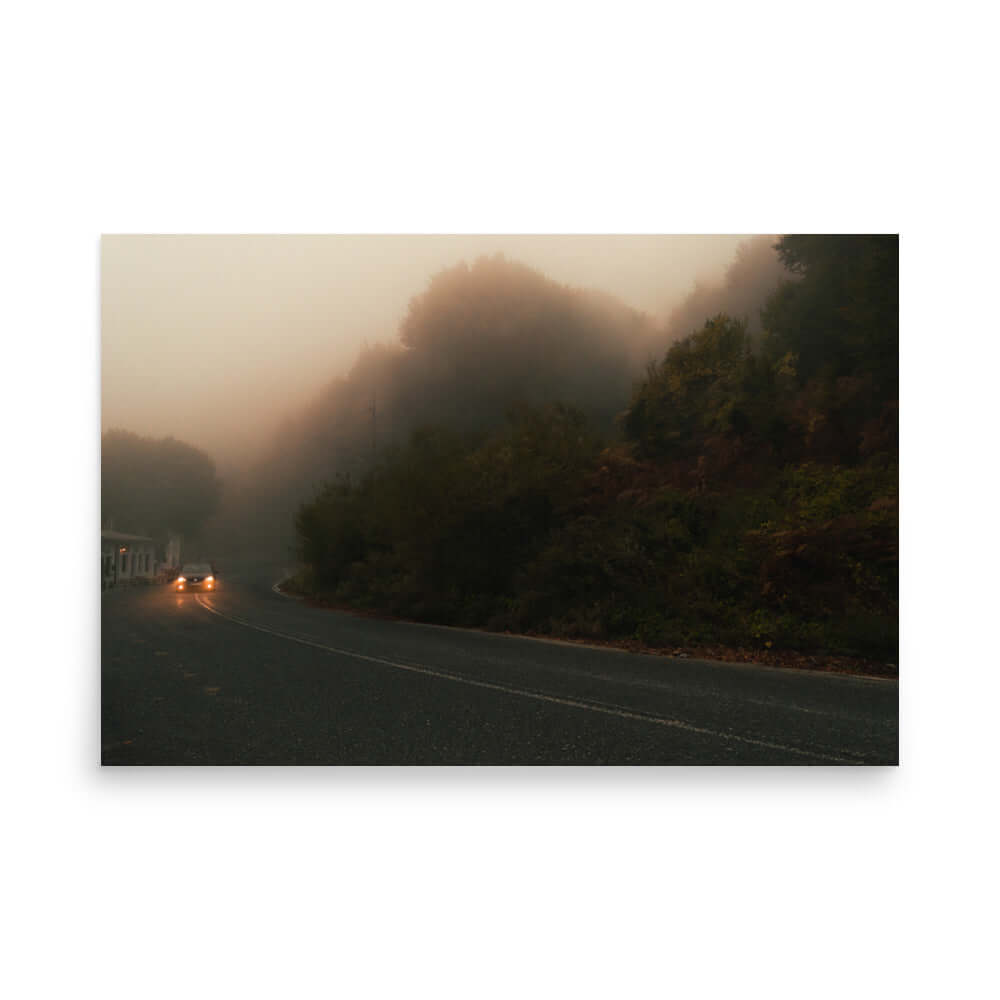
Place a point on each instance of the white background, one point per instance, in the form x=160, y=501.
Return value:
x=540, y=117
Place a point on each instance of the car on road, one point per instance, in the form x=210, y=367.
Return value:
x=196, y=576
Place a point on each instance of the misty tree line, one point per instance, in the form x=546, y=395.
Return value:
x=482, y=338
x=746, y=494
x=156, y=486
x=819, y=381
x=536, y=457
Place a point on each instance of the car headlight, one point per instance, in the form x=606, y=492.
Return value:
x=209, y=579
x=182, y=579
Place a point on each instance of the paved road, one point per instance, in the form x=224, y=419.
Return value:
x=246, y=676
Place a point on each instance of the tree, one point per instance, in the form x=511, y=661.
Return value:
x=700, y=387
x=156, y=485
x=842, y=317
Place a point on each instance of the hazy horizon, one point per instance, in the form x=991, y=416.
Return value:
x=215, y=339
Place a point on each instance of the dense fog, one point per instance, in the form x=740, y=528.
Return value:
x=514, y=450
x=291, y=360
x=213, y=339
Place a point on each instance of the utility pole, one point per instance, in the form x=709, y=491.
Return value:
x=374, y=418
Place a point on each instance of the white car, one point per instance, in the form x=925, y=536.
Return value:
x=195, y=576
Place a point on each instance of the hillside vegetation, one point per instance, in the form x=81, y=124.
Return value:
x=156, y=485
x=482, y=338
x=746, y=495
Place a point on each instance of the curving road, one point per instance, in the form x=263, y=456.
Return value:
x=247, y=676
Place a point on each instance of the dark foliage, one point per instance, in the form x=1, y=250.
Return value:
x=842, y=318
x=751, y=501
x=156, y=486
x=478, y=341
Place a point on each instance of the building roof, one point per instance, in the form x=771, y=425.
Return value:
x=120, y=536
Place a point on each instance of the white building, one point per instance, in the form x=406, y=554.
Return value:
x=172, y=552
x=126, y=559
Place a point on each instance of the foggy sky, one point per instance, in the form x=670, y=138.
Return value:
x=212, y=339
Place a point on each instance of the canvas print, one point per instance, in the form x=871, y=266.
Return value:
x=473, y=499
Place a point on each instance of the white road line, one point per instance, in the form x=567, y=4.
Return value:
x=590, y=706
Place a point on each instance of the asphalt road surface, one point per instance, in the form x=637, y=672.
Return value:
x=248, y=676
